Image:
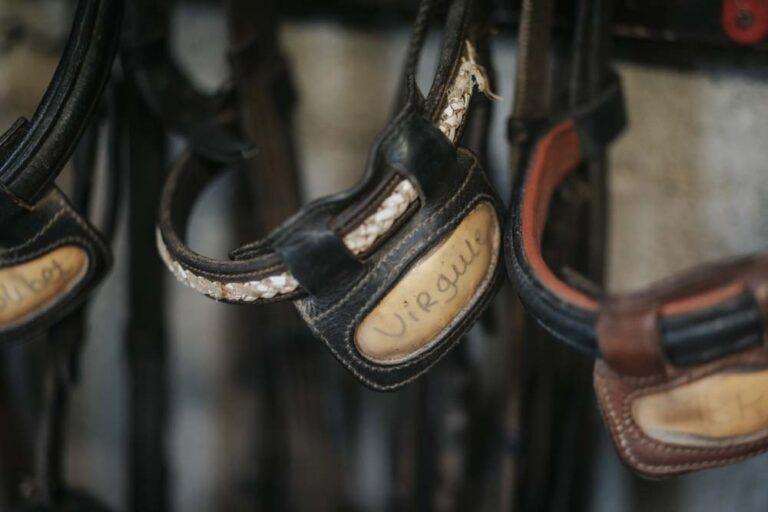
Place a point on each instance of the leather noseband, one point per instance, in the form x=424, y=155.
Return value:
x=390, y=274
x=50, y=256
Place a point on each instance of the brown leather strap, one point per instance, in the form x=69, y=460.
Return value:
x=629, y=339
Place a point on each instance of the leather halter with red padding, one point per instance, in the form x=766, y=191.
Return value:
x=694, y=318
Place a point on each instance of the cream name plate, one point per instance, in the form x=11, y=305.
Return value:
x=438, y=290
x=718, y=410
x=36, y=284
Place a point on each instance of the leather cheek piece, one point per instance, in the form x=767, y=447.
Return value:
x=420, y=291
x=50, y=272
x=687, y=420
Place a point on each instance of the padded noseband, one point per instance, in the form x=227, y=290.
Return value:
x=50, y=256
x=390, y=274
x=682, y=365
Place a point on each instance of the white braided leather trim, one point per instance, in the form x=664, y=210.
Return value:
x=248, y=291
x=361, y=238
x=470, y=74
x=394, y=205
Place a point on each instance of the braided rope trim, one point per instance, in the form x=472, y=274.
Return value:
x=378, y=223
x=248, y=291
x=470, y=74
x=362, y=237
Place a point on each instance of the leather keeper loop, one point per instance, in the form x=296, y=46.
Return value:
x=758, y=287
x=318, y=259
x=420, y=150
x=629, y=339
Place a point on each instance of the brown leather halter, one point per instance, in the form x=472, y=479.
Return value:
x=676, y=340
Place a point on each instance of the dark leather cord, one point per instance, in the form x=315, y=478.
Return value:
x=532, y=72
x=37, y=150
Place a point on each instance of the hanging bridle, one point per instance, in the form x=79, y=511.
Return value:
x=374, y=271
x=51, y=258
x=672, y=359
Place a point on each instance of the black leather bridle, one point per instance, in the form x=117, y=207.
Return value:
x=35, y=217
x=51, y=258
x=339, y=256
x=700, y=325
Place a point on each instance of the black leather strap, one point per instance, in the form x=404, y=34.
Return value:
x=602, y=120
x=296, y=238
x=201, y=119
x=317, y=258
x=37, y=150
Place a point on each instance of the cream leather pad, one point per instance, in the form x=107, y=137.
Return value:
x=36, y=284
x=50, y=260
x=687, y=419
x=718, y=409
x=435, y=292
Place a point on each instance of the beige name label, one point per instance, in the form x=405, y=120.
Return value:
x=436, y=291
x=717, y=410
x=35, y=284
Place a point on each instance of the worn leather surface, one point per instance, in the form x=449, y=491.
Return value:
x=334, y=313
x=450, y=184
x=679, y=371
x=50, y=225
x=654, y=457
x=707, y=322
x=338, y=289
x=687, y=333
x=40, y=147
x=35, y=217
x=433, y=291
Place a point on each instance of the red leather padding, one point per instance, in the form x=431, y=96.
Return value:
x=558, y=153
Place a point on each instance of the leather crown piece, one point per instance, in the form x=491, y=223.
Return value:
x=50, y=256
x=682, y=370
x=390, y=274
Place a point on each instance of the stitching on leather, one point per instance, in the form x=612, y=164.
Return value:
x=667, y=447
x=250, y=248
x=383, y=387
x=232, y=278
x=304, y=308
x=83, y=283
x=394, y=132
x=616, y=426
x=76, y=217
x=407, y=239
x=483, y=288
x=53, y=245
x=37, y=235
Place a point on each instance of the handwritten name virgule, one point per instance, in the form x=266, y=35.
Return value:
x=436, y=290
